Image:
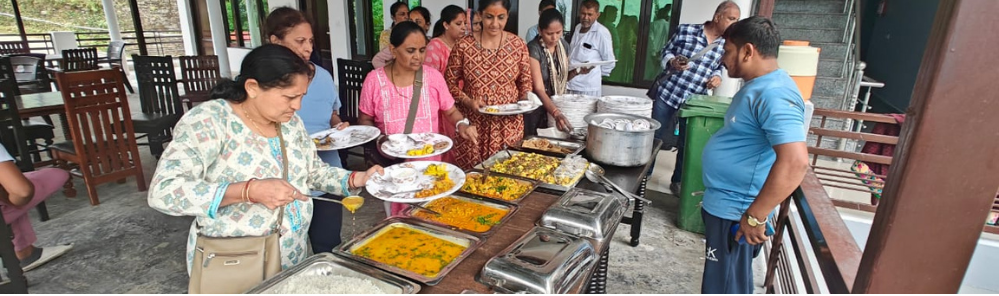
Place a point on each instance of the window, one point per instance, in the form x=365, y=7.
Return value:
x=637, y=58
x=244, y=23
x=367, y=21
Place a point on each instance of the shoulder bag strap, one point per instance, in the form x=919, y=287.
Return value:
x=284, y=176
x=414, y=104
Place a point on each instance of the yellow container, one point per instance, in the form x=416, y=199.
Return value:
x=801, y=61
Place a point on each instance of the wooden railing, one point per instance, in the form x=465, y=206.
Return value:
x=815, y=236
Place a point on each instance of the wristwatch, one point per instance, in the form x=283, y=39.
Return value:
x=465, y=121
x=753, y=222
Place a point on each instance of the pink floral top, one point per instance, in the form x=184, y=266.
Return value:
x=389, y=105
x=437, y=54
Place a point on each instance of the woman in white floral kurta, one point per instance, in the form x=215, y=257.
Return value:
x=218, y=146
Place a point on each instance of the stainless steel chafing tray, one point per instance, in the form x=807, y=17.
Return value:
x=470, y=242
x=333, y=265
x=542, y=261
x=574, y=147
x=585, y=213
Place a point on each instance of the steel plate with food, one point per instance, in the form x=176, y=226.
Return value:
x=416, y=181
x=334, y=139
x=412, y=248
x=328, y=273
x=465, y=213
x=550, y=170
x=498, y=186
x=411, y=146
x=549, y=146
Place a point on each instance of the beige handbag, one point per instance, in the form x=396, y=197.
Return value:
x=233, y=265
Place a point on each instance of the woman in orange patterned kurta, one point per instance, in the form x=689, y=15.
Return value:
x=495, y=68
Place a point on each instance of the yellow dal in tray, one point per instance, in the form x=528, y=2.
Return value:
x=410, y=249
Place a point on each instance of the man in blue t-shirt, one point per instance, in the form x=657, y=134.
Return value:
x=752, y=163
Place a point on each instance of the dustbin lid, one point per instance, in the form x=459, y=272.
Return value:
x=704, y=109
x=695, y=99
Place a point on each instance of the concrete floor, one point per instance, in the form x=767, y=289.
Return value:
x=123, y=246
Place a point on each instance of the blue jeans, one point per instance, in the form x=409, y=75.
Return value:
x=664, y=113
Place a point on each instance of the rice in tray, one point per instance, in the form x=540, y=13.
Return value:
x=326, y=284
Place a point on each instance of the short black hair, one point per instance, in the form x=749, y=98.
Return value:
x=402, y=30
x=546, y=3
x=422, y=11
x=396, y=6
x=486, y=3
x=591, y=4
x=758, y=30
x=548, y=17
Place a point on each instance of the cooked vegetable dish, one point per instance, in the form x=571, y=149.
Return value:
x=501, y=188
x=463, y=214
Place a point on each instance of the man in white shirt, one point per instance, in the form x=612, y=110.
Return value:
x=591, y=42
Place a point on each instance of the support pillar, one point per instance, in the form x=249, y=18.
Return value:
x=219, y=36
x=20, y=24
x=114, y=31
x=137, y=21
x=946, y=170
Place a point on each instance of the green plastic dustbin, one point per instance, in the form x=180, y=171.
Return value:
x=705, y=115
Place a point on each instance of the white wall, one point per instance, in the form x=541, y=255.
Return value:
x=528, y=16
x=339, y=32
x=187, y=27
x=272, y=4
x=435, y=7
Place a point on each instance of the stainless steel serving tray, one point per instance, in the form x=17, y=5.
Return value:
x=503, y=155
x=510, y=208
x=542, y=261
x=330, y=264
x=532, y=183
x=585, y=213
x=574, y=146
x=470, y=241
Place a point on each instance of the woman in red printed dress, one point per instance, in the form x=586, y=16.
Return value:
x=495, y=68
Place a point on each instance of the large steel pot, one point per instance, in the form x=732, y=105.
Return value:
x=616, y=147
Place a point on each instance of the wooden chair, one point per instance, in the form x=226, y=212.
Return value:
x=161, y=106
x=199, y=74
x=79, y=59
x=12, y=47
x=116, y=49
x=28, y=132
x=13, y=135
x=351, y=75
x=32, y=76
x=103, y=138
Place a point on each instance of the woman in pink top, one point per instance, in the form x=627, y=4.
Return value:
x=387, y=93
x=448, y=30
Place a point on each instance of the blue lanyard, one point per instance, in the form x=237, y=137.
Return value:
x=294, y=210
